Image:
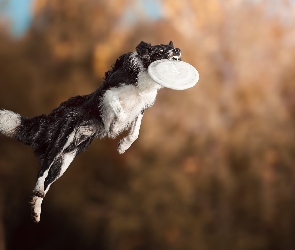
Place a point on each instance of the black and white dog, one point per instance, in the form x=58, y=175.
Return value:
x=118, y=104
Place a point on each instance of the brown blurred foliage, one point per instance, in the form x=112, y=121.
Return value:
x=213, y=167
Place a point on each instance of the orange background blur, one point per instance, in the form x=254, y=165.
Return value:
x=214, y=166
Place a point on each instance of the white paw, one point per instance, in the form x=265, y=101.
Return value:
x=121, y=150
x=36, y=208
x=123, y=146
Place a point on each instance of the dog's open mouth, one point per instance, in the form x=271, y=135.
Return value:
x=175, y=55
x=175, y=58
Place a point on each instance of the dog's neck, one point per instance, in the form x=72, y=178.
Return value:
x=146, y=83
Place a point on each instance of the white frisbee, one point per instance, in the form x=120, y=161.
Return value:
x=176, y=75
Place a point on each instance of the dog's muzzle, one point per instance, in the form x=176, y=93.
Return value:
x=175, y=54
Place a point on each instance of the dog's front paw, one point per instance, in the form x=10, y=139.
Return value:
x=118, y=124
x=121, y=150
x=123, y=146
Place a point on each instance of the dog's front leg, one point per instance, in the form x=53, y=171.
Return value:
x=120, y=115
x=117, y=108
x=126, y=142
x=113, y=112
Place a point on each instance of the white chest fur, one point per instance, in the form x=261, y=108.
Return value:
x=124, y=103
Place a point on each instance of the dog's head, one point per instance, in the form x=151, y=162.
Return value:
x=149, y=53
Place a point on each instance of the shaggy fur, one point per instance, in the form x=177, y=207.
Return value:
x=118, y=104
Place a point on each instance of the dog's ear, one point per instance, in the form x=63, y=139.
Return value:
x=143, y=49
x=171, y=44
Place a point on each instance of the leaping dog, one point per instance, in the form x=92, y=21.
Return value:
x=118, y=104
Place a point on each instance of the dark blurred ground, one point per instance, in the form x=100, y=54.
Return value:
x=214, y=166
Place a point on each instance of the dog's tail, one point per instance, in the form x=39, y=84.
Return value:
x=9, y=122
x=18, y=127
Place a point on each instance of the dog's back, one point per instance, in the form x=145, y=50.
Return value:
x=47, y=134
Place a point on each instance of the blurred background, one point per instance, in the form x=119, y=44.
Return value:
x=214, y=166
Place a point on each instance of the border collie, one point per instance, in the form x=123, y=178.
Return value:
x=118, y=104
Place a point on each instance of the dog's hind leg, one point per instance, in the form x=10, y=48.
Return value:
x=44, y=181
x=77, y=141
x=49, y=174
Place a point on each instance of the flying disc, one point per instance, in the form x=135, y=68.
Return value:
x=172, y=74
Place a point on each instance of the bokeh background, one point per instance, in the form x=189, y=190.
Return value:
x=214, y=166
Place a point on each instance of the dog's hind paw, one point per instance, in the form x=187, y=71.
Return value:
x=36, y=208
